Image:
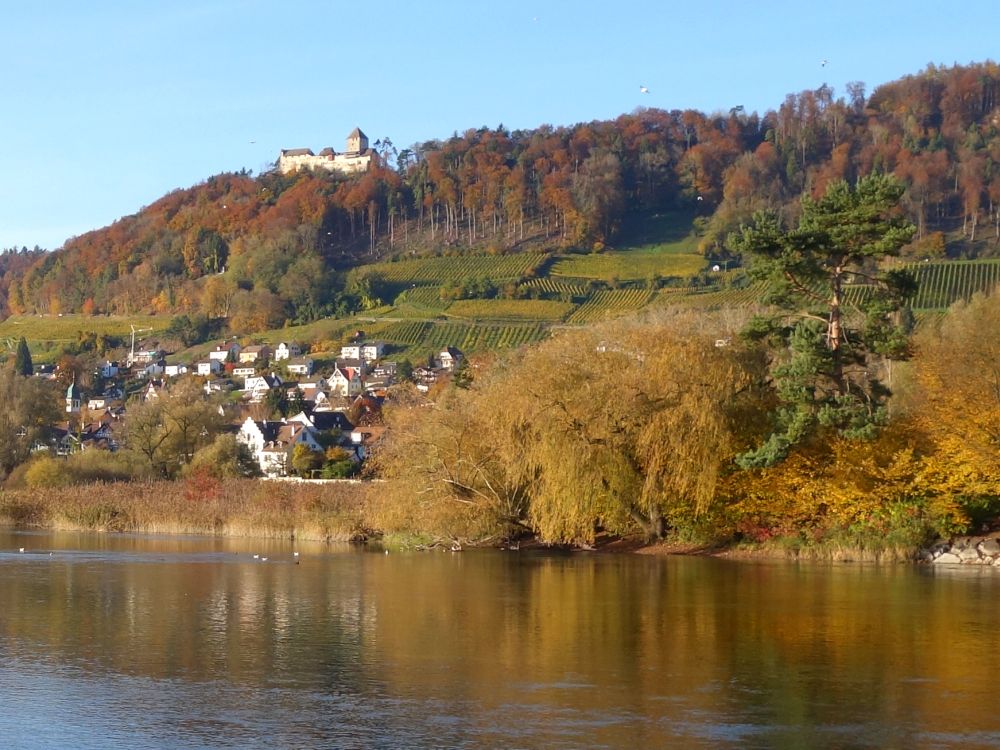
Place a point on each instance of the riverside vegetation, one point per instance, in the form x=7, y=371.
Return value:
x=777, y=427
x=845, y=407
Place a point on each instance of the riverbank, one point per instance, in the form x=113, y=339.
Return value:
x=238, y=508
x=341, y=512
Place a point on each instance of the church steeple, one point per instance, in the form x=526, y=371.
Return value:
x=73, y=398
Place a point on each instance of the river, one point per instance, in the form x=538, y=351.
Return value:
x=111, y=641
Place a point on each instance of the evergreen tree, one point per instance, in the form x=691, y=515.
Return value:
x=22, y=359
x=825, y=353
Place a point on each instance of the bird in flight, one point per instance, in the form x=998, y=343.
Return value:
x=643, y=90
x=822, y=63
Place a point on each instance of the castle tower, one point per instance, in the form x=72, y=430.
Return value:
x=357, y=142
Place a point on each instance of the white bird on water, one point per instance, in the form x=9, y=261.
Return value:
x=256, y=557
x=21, y=550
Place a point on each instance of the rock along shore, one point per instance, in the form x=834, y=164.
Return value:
x=969, y=550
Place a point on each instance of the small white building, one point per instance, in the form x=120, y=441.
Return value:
x=222, y=351
x=244, y=371
x=450, y=358
x=209, y=367
x=287, y=350
x=173, y=371
x=300, y=366
x=372, y=350
x=351, y=351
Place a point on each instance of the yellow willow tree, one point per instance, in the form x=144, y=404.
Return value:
x=626, y=427
x=957, y=403
x=451, y=468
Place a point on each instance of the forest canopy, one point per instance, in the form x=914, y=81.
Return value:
x=275, y=248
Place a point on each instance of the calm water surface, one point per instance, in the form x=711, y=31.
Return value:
x=140, y=642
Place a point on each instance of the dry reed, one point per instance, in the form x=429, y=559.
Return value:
x=198, y=505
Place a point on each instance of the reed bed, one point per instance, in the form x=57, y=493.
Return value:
x=199, y=505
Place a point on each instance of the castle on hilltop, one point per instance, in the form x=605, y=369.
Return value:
x=355, y=158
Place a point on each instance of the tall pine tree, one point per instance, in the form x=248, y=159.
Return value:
x=826, y=353
x=22, y=359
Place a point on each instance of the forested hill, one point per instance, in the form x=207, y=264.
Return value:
x=265, y=250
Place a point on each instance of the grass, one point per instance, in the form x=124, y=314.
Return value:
x=631, y=265
x=45, y=332
x=510, y=309
x=610, y=304
x=444, y=269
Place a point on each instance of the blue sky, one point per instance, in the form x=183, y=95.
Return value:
x=111, y=104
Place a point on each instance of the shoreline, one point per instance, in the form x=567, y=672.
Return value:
x=341, y=513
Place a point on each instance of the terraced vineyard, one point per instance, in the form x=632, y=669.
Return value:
x=610, y=304
x=409, y=333
x=730, y=297
x=425, y=296
x=421, y=271
x=629, y=265
x=510, y=309
x=549, y=285
x=418, y=338
x=944, y=283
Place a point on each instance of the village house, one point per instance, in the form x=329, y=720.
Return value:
x=244, y=371
x=271, y=443
x=148, y=352
x=255, y=353
x=151, y=392
x=366, y=351
x=345, y=381
x=287, y=350
x=300, y=366
x=109, y=369
x=257, y=387
x=153, y=369
x=356, y=157
x=66, y=438
x=217, y=386
x=424, y=377
x=222, y=351
x=209, y=367
x=351, y=351
x=372, y=350
x=450, y=359
x=174, y=371
x=315, y=398
x=97, y=402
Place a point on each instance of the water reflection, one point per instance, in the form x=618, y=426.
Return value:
x=190, y=642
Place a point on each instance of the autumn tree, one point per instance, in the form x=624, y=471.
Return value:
x=621, y=427
x=165, y=433
x=31, y=407
x=825, y=356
